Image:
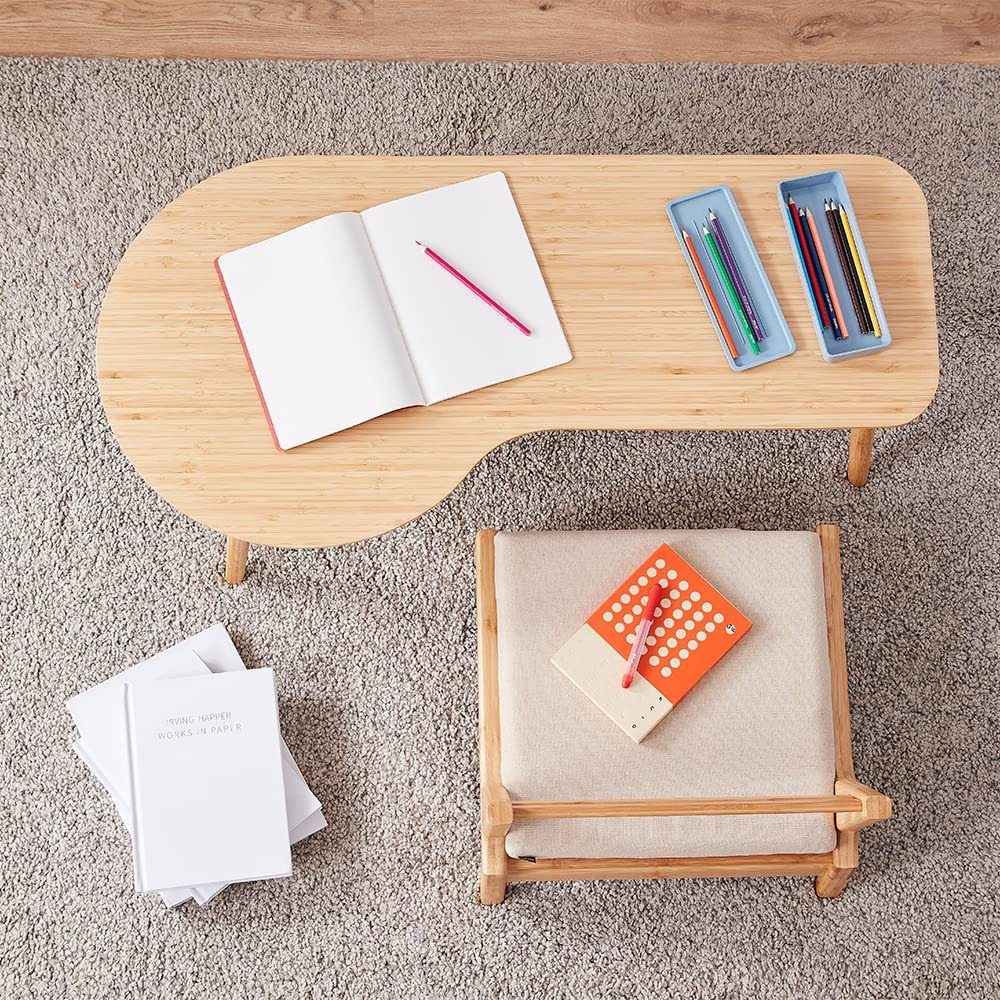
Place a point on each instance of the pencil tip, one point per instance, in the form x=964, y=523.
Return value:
x=419, y=244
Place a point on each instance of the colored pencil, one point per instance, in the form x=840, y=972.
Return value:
x=866, y=322
x=861, y=272
x=475, y=289
x=840, y=242
x=820, y=277
x=826, y=273
x=813, y=282
x=734, y=302
x=709, y=294
x=827, y=277
x=734, y=272
x=802, y=263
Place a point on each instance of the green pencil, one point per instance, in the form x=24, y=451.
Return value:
x=727, y=284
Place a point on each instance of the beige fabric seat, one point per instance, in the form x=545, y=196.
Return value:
x=759, y=724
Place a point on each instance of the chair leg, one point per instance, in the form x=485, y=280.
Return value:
x=831, y=883
x=492, y=888
x=497, y=817
x=859, y=458
x=493, y=872
x=236, y=559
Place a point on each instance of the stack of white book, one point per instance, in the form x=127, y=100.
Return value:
x=188, y=746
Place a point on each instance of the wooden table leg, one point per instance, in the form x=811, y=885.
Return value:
x=236, y=559
x=860, y=458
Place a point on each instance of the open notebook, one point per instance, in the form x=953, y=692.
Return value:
x=345, y=318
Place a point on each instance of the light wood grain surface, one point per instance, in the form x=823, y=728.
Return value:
x=183, y=406
x=525, y=30
x=768, y=805
x=750, y=865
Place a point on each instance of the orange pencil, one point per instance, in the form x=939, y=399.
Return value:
x=709, y=294
x=826, y=273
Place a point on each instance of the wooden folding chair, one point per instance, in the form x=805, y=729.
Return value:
x=853, y=805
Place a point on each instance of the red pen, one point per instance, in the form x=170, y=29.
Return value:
x=455, y=273
x=641, y=633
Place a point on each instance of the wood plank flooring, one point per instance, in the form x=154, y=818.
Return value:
x=521, y=30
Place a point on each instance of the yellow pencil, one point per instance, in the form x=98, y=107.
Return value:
x=856, y=257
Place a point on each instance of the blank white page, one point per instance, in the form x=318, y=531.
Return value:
x=457, y=341
x=320, y=332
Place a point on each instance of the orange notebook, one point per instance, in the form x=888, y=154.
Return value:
x=693, y=628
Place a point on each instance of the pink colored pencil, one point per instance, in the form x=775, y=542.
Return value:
x=454, y=272
x=641, y=634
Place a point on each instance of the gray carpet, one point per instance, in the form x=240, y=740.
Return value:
x=98, y=572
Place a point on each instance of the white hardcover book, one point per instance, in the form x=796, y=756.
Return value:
x=101, y=724
x=203, y=894
x=208, y=800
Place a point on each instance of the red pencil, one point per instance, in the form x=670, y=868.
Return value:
x=709, y=294
x=813, y=280
x=455, y=273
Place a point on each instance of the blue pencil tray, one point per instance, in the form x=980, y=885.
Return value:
x=809, y=192
x=689, y=212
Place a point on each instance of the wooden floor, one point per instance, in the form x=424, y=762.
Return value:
x=522, y=30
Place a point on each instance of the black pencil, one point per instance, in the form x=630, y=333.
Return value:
x=847, y=266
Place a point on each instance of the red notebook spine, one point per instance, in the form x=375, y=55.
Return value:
x=246, y=354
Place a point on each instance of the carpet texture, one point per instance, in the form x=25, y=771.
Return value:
x=98, y=572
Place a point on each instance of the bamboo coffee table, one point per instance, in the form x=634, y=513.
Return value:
x=182, y=404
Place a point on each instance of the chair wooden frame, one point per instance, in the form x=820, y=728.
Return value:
x=854, y=805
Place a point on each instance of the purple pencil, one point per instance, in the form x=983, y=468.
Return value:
x=740, y=285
